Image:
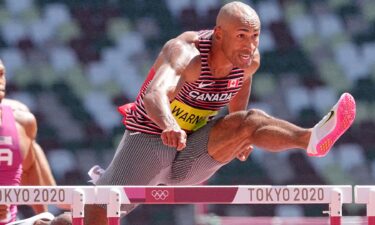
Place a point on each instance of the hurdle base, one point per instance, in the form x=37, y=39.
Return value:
x=371, y=220
x=77, y=221
x=113, y=220
x=335, y=220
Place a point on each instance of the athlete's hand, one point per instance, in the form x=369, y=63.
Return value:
x=3, y=211
x=242, y=156
x=174, y=137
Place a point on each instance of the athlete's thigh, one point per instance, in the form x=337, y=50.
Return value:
x=193, y=165
x=138, y=161
x=229, y=136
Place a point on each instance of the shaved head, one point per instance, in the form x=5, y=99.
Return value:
x=237, y=11
x=236, y=34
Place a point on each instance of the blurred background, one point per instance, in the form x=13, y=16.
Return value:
x=72, y=62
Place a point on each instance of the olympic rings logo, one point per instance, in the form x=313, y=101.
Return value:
x=159, y=194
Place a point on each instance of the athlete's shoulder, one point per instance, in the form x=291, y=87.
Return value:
x=180, y=51
x=186, y=41
x=15, y=104
x=22, y=113
x=189, y=37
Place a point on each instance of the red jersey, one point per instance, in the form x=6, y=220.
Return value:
x=196, y=103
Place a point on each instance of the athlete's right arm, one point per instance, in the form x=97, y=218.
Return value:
x=171, y=66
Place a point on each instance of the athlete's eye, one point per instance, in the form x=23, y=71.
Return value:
x=241, y=35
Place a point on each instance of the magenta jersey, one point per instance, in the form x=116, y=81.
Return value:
x=10, y=156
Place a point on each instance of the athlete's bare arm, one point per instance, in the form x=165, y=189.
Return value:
x=39, y=172
x=241, y=100
x=36, y=170
x=177, y=63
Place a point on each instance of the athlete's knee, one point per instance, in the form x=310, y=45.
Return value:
x=95, y=215
x=253, y=119
x=255, y=116
x=256, y=113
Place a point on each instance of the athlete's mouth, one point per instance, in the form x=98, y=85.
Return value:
x=245, y=56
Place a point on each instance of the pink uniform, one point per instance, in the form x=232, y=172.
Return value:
x=10, y=156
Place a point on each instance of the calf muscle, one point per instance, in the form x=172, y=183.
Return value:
x=236, y=131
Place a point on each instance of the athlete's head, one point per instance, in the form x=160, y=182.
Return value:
x=237, y=32
x=63, y=219
x=2, y=81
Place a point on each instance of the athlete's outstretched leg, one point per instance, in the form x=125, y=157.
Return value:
x=235, y=132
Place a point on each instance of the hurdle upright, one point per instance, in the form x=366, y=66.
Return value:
x=366, y=195
x=114, y=196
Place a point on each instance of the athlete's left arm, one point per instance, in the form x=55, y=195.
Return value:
x=36, y=170
x=241, y=100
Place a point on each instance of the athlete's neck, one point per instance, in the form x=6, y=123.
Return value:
x=219, y=65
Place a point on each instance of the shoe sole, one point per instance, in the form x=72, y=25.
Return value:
x=346, y=111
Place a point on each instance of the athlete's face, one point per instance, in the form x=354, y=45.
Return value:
x=2, y=81
x=240, y=39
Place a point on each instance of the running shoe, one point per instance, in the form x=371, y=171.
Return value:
x=95, y=173
x=325, y=133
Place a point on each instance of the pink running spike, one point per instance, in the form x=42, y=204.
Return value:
x=332, y=126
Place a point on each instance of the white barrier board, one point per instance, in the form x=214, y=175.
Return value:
x=254, y=194
x=362, y=194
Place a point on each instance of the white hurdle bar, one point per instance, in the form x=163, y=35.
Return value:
x=114, y=196
x=366, y=195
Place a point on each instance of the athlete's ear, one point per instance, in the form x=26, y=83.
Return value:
x=218, y=33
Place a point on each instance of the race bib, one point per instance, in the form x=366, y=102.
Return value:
x=189, y=118
x=6, y=140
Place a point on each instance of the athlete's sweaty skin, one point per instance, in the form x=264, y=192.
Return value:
x=235, y=42
x=236, y=38
x=35, y=167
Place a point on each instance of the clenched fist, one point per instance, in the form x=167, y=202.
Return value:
x=242, y=156
x=174, y=137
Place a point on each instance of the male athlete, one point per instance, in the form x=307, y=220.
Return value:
x=22, y=161
x=171, y=138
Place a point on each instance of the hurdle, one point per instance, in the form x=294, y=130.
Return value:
x=114, y=196
x=366, y=195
